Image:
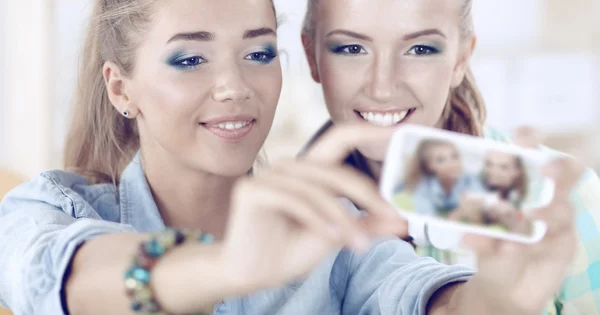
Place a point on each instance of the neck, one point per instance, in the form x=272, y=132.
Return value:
x=189, y=199
x=505, y=193
x=447, y=184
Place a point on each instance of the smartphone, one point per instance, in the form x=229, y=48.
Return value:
x=467, y=184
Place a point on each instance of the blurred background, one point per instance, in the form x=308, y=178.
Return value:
x=537, y=64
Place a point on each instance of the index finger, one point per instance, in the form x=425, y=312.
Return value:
x=340, y=140
x=528, y=137
x=565, y=172
x=559, y=215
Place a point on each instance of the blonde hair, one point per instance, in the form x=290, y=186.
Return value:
x=417, y=168
x=465, y=109
x=101, y=141
x=520, y=184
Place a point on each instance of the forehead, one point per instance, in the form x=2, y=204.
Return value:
x=501, y=157
x=212, y=15
x=396, y=16
x=441, y=149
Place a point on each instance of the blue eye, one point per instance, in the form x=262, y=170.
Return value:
x=263, y=57
x=420, y=50
x=186, y=63
x=348, y=50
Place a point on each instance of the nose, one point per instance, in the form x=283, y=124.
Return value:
x=230, y=85
x=381, y=87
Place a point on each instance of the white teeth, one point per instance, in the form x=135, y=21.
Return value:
x=378, y=119
x=402, y=115
x=233, y=125
x=386, y=120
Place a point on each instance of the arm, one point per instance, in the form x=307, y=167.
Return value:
x=40, y=240
x=391, y=279
x=185, y=280
x=422, y=201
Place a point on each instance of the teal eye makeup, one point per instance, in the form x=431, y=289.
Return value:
x=265, y=56
x=425, y=50
x=349, y=50
x=184, y=61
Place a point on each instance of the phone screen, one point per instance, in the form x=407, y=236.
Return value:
x=465, y=180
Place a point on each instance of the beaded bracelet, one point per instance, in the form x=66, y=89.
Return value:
x=137, y=276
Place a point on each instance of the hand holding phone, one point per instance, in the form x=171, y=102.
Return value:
x=466, y=184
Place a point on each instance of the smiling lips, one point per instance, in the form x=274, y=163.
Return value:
x=230, y=128
x=385, y=119
x=236, y=128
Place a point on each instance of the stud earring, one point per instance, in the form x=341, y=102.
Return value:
x=126, y=114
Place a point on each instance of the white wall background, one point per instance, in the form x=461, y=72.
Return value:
x=3, y=28
x=535, y=65
x=27, y=95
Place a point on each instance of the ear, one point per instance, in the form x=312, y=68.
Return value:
x=116, y=87
x=309, y=51
x=462, y=63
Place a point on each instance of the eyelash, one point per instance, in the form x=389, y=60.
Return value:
x=191, y=63
x=345, y=50
x=262, y=57
x=430, y=50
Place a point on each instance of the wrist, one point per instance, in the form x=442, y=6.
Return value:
x=191, y=278
x=234, y=283
x=475, y=298
x=238, y=279
x=446, y=300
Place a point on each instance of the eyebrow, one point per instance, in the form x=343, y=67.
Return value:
x=204, y=36
x=431, y=31
x=197, y=36
x=263, y=31
x=427, y=32
x=350, y=34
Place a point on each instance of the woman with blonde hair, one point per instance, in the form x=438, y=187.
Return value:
x=158, y=215
x=388, y=63
x=437, y=179
x=505, y=174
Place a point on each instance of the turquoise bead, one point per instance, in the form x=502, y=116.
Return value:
x=206, y=238
x=129, y=274
x=154, y=249
x=141, y=275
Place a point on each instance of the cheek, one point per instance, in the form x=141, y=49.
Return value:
x=435, y=168
x=429, y=82
x=173, y=99
x=457, y=165
x=341, y=82
x=513, y=176
x=169, y=107
x=266, y=85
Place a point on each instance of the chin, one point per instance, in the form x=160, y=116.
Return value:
x=232, y=169
x=223, y=166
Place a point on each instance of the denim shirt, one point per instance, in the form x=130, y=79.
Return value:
x=430, y=197
x=43, y=222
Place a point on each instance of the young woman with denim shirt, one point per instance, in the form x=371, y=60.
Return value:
x=390, y=62
x=173, y=103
